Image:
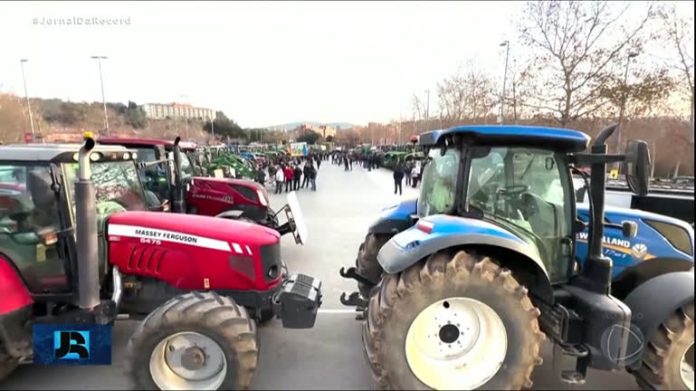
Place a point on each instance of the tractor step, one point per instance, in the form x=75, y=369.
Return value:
x=577, y=357
x=353, y=300
x=353, y=273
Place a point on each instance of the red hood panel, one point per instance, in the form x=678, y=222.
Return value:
x=199, y=231
x=243, y=182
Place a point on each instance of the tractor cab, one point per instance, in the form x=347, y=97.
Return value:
x=38, y=205
x=167, y=171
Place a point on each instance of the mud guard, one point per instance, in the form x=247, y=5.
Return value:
x=15, y=311
x=395, y=219
x=414, y=244
x=653, y=301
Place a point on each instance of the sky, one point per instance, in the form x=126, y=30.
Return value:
x=262, y=63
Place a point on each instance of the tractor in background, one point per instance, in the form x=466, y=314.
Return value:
x=168, y=172
x=459, y=287
x=78, y=247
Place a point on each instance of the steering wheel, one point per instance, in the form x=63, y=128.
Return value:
x=512, y=191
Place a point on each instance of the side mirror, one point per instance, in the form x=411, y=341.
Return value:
x=637, y=166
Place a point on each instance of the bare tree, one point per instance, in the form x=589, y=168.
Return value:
x=679, y=34
x=579, y=45
x=466, y=96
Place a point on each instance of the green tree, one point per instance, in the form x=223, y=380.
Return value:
x=309, y=137
x=224, y=127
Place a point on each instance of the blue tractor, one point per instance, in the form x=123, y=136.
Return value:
x=459, y=287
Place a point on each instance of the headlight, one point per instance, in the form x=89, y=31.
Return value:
x=95, y=156
x=126, y=156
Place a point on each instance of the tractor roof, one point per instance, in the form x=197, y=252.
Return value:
x=52, y=152
x=143, y=142
x=566, y=140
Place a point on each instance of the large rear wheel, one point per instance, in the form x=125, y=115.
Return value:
x=366, y=264
x=457, y=322
x=668, y=360
x=196, y=341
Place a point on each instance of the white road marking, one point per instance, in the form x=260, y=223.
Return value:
x=337, y=311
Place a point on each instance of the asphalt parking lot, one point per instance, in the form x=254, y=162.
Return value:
x=329, y=356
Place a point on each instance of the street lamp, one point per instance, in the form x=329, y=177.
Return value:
x=506, y=43
x=26, y=94
x=624, y=98
x=427, y=107
x=101, y=81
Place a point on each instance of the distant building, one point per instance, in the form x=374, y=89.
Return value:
x=177, y=110
x=323, y=130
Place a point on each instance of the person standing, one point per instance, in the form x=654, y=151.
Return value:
x=345, y=161
x=408, y=169
x=279, y=178
x=312, y=176
x=305, y=172
x=296, y=175
x=415, y=174
x=398, y=177
x=288, y=178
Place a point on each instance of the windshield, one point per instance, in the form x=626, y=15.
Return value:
x=439, y=182
x=116, y=185
x=523, y=187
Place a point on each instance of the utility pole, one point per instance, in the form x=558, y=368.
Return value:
x=26, y=95
x=212, y=128
x=427, y=109
x=502, y=97
x=101, y=81
x=624, y=98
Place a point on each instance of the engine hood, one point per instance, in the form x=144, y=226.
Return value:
x=240, y=182
x=199, y=231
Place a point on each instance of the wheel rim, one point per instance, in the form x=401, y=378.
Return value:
x=686, y=367
x=188, y=361
x=456, y=343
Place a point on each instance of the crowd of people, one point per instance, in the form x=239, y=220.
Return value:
x=295, y=173
x=409, y=170
x=292, y=173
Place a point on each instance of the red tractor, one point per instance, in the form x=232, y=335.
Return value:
x=78, y=247
x=168, y=173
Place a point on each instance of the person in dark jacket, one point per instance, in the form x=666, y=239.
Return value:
x=408, y=170
x=398, y=177
x=305, y=180
x=312, y=173
x=297, y=173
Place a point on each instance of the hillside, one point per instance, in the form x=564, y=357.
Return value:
x=292, y=125
x=57, y=120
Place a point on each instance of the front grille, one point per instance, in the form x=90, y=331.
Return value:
x=270, y=260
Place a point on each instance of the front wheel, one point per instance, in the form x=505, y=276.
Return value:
x=457, y=322
x=196, y=341
x=366, y=263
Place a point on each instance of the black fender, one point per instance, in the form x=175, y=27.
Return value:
x=636, y=275
x=656, y=299
x=389, y=226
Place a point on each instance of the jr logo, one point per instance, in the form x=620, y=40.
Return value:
x=71, y=345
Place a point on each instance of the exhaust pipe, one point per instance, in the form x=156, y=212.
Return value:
x=178, y=204
x=86, y=231
x=597, y=268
